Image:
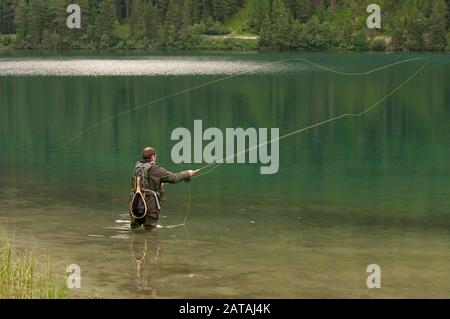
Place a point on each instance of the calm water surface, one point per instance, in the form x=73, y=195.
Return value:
x=373, y=190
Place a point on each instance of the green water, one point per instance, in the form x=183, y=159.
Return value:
x=372, y=190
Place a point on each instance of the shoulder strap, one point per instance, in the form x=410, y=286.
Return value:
x=148, y=167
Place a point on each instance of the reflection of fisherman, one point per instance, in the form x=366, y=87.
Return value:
x=146, y=254
x=147, y=189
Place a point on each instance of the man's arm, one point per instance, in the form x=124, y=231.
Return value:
x=172, y=178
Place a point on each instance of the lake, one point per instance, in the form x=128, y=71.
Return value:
x=351, y=193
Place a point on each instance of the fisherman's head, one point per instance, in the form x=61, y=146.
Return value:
x=149, y=154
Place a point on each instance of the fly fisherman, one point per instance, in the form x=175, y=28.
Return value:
x=147, y=189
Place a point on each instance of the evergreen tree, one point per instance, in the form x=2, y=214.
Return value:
x=7, y=16
x=196, y=10
x=206, y=10
x=186, y=21
x=172, y=25
x=152, y=23
x=260, y=10
x=55, y=36
x=218, y=9
x=409, y=28
x=317, y=35
x=303, y=10
x=296, y=35
x=21, y=22
x=230, y=7
x=105, y=23
x=37, y=19
x=90, y=31
x=280, y=25
x=265, y=33
x=137, y=19
x=437, y=31
x=162, y=6
x=448, y=14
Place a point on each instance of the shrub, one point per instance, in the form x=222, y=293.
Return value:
x=448, y=41
x=6, y=40
x=317, y=35
x=378, y=45
x=217, y=29
x=360, y=41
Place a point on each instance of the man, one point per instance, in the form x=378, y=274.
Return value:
x=147, y=189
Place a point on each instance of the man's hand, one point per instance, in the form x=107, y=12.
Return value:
x=192, y=172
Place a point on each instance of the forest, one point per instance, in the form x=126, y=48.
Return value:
x=322, y=25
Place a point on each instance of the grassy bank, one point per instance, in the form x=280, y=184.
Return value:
x=23, y=275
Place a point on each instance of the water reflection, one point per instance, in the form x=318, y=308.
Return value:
x=137, y=67
x=146, y=257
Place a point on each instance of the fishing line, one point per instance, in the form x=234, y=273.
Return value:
x=215, y=165
x=211, y=167
x=189, y=204
x=209, y=83
x=187, y=211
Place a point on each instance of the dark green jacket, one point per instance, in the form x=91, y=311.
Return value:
x=160, y=175
x=155, y=177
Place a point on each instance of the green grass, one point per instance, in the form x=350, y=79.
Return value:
x=238, y=22
x=7, y=40
x=23, y=276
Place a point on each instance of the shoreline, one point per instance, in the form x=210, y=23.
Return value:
x=202, y=50
x=198, y=52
